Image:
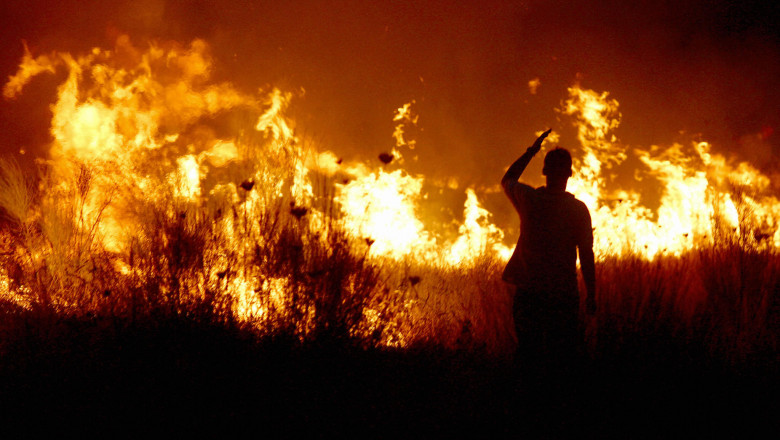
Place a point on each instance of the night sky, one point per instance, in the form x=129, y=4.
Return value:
x=698, y=67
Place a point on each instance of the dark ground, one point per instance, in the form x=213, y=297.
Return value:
x=182, y=379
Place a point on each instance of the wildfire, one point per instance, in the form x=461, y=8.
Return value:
x=145, y=122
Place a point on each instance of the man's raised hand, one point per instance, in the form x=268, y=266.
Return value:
x=538, y=143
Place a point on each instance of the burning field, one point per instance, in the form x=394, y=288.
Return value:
x=165, y=190
x=176, y=214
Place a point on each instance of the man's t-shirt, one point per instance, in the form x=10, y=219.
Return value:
x=552, y=226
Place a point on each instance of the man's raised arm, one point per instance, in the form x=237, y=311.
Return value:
x=517, y=168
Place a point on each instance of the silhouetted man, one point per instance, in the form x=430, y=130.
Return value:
x=553, y=227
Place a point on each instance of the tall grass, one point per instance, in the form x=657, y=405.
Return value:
x=720, y=299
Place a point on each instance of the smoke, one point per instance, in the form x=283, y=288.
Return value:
x=702, y=68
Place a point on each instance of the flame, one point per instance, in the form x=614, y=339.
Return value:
x=477, y=234
x=381, y=207
x=29, y=67
x=694, y=199
x=405, y=116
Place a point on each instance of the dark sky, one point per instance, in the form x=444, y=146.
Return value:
x=695, y=66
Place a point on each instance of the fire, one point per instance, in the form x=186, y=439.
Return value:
x=478, y=235
x=381, y=207
x=137, y=139
x=405, y=117
x=694, y=201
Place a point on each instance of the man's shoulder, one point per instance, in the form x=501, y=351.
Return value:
x=515, y=187
x=521, y=186
x=576, y=201
x=578, y=206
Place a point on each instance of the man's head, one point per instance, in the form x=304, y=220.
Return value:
x=557, y=164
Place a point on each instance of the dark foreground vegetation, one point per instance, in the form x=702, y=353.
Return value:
x=93, y=373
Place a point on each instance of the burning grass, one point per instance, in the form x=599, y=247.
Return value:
x=277, y=271
x=167, y=196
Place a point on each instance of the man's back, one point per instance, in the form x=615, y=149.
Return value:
x=553, y=224
x=554, y=229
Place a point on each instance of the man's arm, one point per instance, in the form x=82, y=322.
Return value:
x=517, y=168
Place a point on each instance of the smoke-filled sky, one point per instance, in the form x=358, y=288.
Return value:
x=708, y=67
